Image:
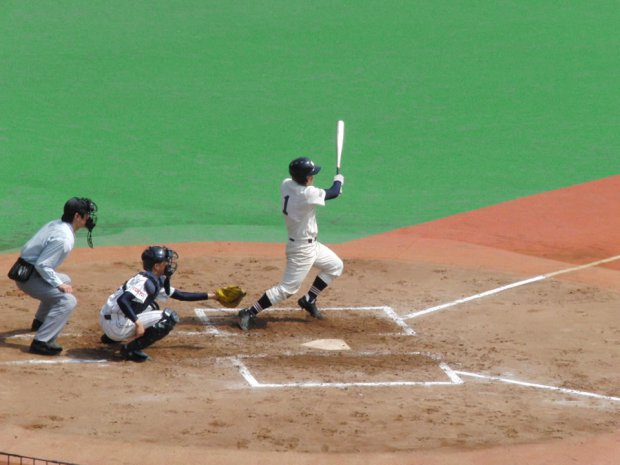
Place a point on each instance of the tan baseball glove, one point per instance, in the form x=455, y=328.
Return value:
x=230, y=296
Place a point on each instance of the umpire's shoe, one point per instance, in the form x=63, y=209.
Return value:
x=44, y=348
x=133, y=355
x=245, y=317
x=310, y=307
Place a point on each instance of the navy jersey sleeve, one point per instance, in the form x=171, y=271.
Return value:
x=130, y=307
x=333, y=191
x=126, y=304
x=189, y=296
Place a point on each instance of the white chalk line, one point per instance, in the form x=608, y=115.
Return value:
x=389, y=312
x=204, y=319
x=245, y=372
x=56, y=361
x=523, y=282
x=304, y=353
x=574, y=392
x=472, y=297
x=30, y=335
x=289, y=309
x=455, y=377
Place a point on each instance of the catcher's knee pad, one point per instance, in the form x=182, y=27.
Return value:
x=159, y=330
x=169, y=319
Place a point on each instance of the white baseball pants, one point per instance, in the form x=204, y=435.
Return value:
x=300, y=258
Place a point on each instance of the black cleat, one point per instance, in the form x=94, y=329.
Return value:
x=36, y=324
x=245, y=317
x=44, y=348
x=310, y=307
x=106, y=340
x=134, y=355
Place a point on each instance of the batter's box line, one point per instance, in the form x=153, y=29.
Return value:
x=202, y=314
x=57, y=361
x=210, y=329
x=245, y=372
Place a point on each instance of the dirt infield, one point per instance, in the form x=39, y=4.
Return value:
x=528, y=374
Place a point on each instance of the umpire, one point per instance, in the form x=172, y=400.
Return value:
x=34, y=272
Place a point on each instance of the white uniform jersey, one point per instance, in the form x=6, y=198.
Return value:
x=298, y=206
x=135, y=286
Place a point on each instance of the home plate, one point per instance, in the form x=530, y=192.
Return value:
x=328, y=344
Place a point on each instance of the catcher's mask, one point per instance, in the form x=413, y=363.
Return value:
x=82, y=206
x=157, y=254
x=302, y=167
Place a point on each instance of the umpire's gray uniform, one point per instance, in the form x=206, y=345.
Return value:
x=47, y=249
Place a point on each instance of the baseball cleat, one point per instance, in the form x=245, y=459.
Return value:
x=44, y=348
x=245, y=317
x=310, y=307
x=134, y=355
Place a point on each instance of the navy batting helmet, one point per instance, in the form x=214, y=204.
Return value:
x=302, y=167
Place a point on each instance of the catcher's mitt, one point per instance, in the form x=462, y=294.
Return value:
x=230, y=296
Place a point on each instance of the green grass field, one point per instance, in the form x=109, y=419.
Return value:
x=179, y=117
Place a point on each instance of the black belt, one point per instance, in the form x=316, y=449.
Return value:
x=107, y=317
x=310, y=241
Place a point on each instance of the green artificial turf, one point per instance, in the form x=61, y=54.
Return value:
x=179, y=117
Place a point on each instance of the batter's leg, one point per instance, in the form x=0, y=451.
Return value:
x=298, y=263
x=331, y=267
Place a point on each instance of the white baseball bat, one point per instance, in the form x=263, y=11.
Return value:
x=339, y=144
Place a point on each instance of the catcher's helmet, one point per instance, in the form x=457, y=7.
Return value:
x=302, y=167
x=157, y=254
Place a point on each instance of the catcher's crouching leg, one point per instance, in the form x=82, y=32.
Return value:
x=133, y=350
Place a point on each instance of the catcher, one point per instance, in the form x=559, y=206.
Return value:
x=132, y=310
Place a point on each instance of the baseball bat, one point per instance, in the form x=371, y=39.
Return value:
x=339, y=144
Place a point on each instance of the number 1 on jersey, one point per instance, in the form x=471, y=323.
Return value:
x=286, y=197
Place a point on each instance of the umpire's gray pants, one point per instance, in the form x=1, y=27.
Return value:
x=55, y=307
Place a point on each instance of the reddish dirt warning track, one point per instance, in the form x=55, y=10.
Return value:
x=192, y=403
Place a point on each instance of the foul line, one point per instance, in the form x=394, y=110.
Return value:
x=539, y=386
x=508, y=286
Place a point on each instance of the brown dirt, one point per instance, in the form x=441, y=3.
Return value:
x=190, y=404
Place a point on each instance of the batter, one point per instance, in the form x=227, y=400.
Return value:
x=303, y=251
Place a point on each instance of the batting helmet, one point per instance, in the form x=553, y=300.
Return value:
x=302, y=167
x=157, y=254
